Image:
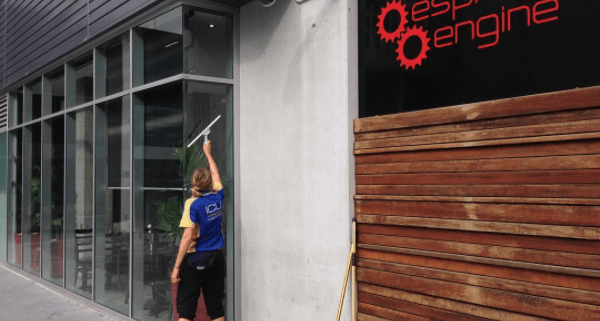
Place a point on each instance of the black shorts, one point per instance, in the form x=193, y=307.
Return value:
x=212, y=283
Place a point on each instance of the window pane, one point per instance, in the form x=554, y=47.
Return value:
x=32, y=162
x=112, y=204
x=3, y=177
x=158, y=50
x=208, y=43
x=33, y=100
x=53, y=197
x=203, y=103
x=15, y=175
x=80, y=80
x=112, y=61
x=79, y=200
x=15, y=103
x=58, y=93
x=157, y=132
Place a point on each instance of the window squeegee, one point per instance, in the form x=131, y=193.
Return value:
x=205, y=132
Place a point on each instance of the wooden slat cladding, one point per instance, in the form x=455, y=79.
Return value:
x=488, y=211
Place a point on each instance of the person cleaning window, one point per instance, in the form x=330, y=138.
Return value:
x=200, y=264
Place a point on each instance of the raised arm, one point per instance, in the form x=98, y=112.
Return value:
x=214, y=171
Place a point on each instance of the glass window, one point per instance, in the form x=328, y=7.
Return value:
x=15, y=178
x=157, y=48
x=53, y=199
x=112, y=204
x=207, y=43
x=112, y=66
x=157, y=186
x=203, y=103
x=33, y=100
x=55, y=90
x=80, y=80
x=3, y=177
x=79, y=200
x=32, y=162
x=15, y=105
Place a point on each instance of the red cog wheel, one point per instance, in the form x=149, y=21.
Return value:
x=401, y=9
x=412, y=63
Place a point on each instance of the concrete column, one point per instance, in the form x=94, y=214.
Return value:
x=298, y=98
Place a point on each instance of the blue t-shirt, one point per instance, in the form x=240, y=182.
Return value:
x=205, y=215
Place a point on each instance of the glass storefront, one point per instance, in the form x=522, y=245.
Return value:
x=94, y=168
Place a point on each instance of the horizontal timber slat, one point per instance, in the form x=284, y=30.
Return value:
x=517, y=213
x=535, y=104
x=460, y=307
x=538, y=191
x=564, y=281
x=577, y=232
x=414, y=308
x=587, y=297
x=578, y=127
x=550, y=118
x=533, y=305
x=484, y=143
x=586, y=147
x=484, y=260
x=387, y=314
x=552, y=258
x=495, y=200
x=579, y=176
x=506, y=240
x=486, y=165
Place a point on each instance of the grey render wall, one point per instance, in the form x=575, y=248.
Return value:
x=298, y=98
x=33, y=33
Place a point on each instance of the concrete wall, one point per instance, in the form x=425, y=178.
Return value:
x=298, y=97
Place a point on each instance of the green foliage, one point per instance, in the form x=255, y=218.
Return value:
x=169, y=215
x=190, y=159
x=36, y=189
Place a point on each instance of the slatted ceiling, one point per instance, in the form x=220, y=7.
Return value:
x=3, y=112
x=484, y=211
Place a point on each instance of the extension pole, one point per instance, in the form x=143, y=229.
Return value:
x=345, y=284
x=350, y=263
x=353, y=280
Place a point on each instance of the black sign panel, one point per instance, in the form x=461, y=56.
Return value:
x=433, y=53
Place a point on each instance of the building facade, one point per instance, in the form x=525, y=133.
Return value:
x=98, y=99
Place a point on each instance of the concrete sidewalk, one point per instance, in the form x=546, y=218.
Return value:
x=22, y=299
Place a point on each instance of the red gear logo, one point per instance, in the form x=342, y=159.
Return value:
x=401, y=9
x=412, y=63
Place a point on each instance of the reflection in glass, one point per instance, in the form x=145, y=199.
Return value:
x=79, y=200
x=112, y=205
x=33, y=100
x=15, y=178
x=32, y=162
x=157, y=132
x=203, y=103
x=3, y=207
x=80, y=82
x=58, y=93
x=53, y=198
x=15, y=104
x=207, y=43
x=112, y=61
x=158, y=51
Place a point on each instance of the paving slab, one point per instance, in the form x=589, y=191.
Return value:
x=23, y=299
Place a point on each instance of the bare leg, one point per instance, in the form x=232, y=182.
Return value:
x=219, y=319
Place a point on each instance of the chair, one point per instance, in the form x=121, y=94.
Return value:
x=118, y=264
x=83, y=255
